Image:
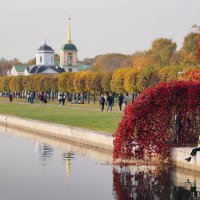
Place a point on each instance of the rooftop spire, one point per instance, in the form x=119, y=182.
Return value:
x=69, y=33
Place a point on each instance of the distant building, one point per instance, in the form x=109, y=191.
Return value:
x=68, y=54
x=44, y=69
x=45, y=55
x=44, y=64
x=45, y=60
x=17, y=70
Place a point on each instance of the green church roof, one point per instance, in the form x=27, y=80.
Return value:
x=20, y=68
x=69, y=47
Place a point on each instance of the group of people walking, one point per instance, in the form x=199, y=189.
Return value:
x=103, y=100
x=41, y=97
x=109, y=101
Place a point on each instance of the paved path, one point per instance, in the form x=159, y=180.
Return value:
x=37, y=103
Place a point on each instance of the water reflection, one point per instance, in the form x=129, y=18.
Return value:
x=43, y=151
x=67, y=156
x=149, y=184
x=153, y=184
x=67, y=164
x=185, y=193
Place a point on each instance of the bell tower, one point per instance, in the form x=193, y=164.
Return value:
x=68, y=53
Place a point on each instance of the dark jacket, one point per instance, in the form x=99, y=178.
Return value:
x=109, y=100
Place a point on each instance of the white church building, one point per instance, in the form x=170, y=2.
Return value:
x=45, y=60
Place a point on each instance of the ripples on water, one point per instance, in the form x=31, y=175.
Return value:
x=38, y=168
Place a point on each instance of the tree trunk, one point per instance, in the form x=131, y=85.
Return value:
x=94, y=98
x=133, y=97
x=113, y=96
x=89, y=98
x=68, y=97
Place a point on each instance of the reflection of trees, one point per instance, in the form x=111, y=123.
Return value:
x=151, y=185
x=141, y=185
x=185, y=193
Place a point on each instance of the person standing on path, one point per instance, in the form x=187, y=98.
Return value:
x=109, y=102
x=41, y=98
x=63, y=99
x=10, y=97
x=102, y=102
x=45, y=99
x=60, y=98
x=120, y=101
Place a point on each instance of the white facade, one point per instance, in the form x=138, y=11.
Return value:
x=44, y=57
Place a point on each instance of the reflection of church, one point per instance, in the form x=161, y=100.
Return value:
x=67, y=158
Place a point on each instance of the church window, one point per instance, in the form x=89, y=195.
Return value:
x=69, y=59
x=40, y=58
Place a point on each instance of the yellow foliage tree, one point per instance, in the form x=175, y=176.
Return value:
x=118, y=78
x=130, y=82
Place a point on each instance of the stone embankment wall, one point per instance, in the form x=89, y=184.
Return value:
x=79, y=135
x=179, y=155
x=92, y=138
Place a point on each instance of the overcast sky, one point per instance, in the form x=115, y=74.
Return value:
x=97, y=26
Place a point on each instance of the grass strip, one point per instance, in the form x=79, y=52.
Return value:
x=91, y=119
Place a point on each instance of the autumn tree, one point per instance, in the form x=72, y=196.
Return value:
x=147, y=77
x=190, y=44
x=79, y=82
x=93, y=84
x=109, y=62
x=141, y=60
x=160, y=117
x=54, y=85
x=1, y=78
x=168, y=73
x=130, y=82
x=118, y=78
x=162, y=50
x=7, y=64
x=16, y=84
x=5, y=83
x=32, y=83
x=65, y=83
x=31, y=62
x=105, y=81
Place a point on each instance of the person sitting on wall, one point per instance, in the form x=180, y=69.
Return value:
x=193, y=153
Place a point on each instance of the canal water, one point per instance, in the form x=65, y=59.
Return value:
x=33, y=167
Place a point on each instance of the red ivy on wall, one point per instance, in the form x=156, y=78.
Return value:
x=158, y=119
